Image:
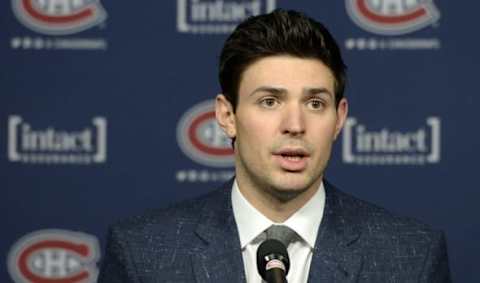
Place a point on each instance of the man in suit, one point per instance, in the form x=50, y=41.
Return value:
x=282, y=104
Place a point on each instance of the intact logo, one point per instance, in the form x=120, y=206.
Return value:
x=201, y=138
x=54, y=256
x=217, y=16
x=59, y=17
x=392, y=17
x=364, y=146
x=50, y=145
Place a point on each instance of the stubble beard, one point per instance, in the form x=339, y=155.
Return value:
x=285, y=194
x=265, y=185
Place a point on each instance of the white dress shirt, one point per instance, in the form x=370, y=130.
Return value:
x=251, y=225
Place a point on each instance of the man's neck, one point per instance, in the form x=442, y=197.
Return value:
x=266, y=202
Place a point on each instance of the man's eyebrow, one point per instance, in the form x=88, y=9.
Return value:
x=318, y=90
x=269, y=89
x=283, y=91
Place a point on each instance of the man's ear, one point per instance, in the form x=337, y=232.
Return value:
x=342, y=112
x=225, y=115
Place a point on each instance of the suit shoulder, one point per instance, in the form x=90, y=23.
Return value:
x=183, y=215
x=378, y=220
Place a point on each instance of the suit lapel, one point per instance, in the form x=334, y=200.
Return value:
x=335, y=258
x=220, y=259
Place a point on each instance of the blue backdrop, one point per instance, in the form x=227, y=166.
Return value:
x=106, y=111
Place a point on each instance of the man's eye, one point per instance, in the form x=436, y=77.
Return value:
x=315, y=104
x=269, y=102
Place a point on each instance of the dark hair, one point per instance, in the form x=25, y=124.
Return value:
x=279, y=32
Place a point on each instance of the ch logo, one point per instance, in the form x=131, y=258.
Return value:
x=201, y=138
x=54, y=256
x=59, y=17
x=392, y=17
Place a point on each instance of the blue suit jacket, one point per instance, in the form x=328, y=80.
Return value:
x=197, y=241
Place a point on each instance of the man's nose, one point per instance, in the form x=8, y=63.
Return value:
x=293, y=120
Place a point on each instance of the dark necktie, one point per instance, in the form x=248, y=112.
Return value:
x=282, y=233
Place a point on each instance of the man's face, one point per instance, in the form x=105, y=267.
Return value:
x=284, y=125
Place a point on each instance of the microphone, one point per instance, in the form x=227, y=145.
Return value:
x=272, y=261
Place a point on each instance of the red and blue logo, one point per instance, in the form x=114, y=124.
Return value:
x=201, y=138
x=392, y=17
x=54, y=256
x=59, y=17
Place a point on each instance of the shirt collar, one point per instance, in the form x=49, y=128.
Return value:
x=251, y=223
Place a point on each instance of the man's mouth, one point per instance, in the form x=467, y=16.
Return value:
x=292, y=156
x=292, y=152
x=292, y=159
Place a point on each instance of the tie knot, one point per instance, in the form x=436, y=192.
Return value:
x=282, y=233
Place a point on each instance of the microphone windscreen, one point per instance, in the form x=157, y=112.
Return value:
x=271, y=249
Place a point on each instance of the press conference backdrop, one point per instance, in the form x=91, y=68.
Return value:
x=106, y=111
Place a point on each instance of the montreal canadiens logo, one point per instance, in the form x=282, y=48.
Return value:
x=59, y=17
x=392, y=17
x=54, y=256
x=201, y=138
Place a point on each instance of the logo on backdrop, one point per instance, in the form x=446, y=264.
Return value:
x=49, y=145
x=218, y=16
x=58, y=17
x=54, y=256
x=201, y=139
x=364, y=146
x=392, y=18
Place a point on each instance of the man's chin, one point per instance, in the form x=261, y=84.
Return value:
x=285, y=188
x=287, y=191
x=285, y=195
